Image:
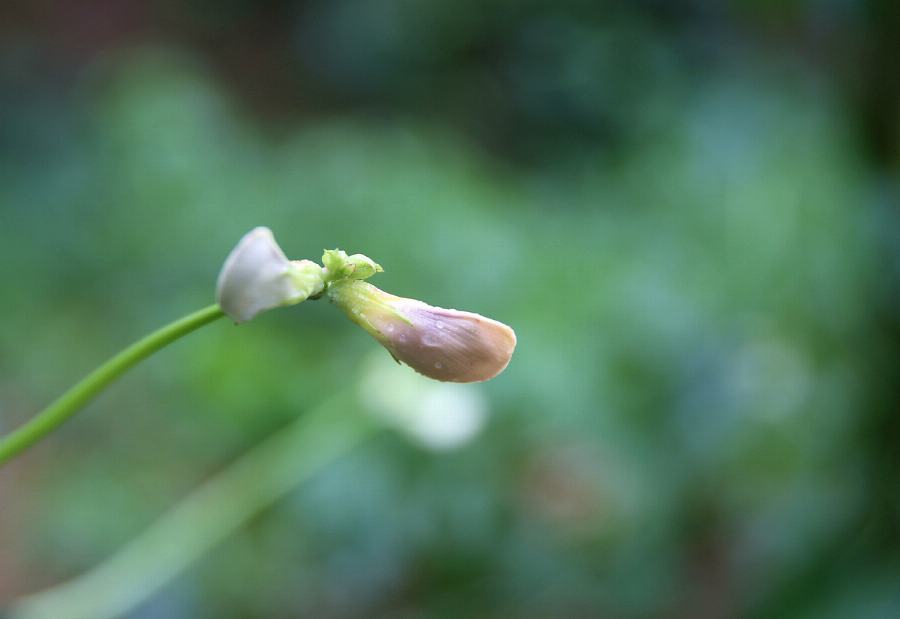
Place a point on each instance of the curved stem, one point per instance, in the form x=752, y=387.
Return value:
x=208, y=515
x=82, y=392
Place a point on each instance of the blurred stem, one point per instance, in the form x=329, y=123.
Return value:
x=207, y=516
x=84, y=391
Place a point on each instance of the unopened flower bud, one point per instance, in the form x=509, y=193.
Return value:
x=363, y=266
x=338, y=265
x=444, y=344
x=257, y=276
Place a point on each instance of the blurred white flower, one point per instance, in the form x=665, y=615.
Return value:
x=444, y=344
x=437, y=416
x=257, y=276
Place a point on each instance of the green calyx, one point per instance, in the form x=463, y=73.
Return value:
x=362, y=302
x=365, y=305
x=307, y=278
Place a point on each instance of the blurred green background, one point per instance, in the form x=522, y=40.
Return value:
x=687, y=210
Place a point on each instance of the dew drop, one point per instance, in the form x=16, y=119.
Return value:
x=439, y=325
x=438, y=365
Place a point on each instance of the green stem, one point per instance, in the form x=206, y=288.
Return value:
x=210, y=514
x=84, y=391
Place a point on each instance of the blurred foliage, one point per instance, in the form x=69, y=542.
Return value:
x=686, y=211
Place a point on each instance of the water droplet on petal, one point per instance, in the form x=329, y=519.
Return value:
x=438, y=365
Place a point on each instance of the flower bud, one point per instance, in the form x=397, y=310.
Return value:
x=444, y=344
x=257, y=276
x=338, y=265
x=363, y=266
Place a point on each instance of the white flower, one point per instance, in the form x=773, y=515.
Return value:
x=257, y=276
x=438, y=417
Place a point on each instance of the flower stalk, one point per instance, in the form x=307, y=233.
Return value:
x=85, y=390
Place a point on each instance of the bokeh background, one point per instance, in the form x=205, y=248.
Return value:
x=686, y=209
